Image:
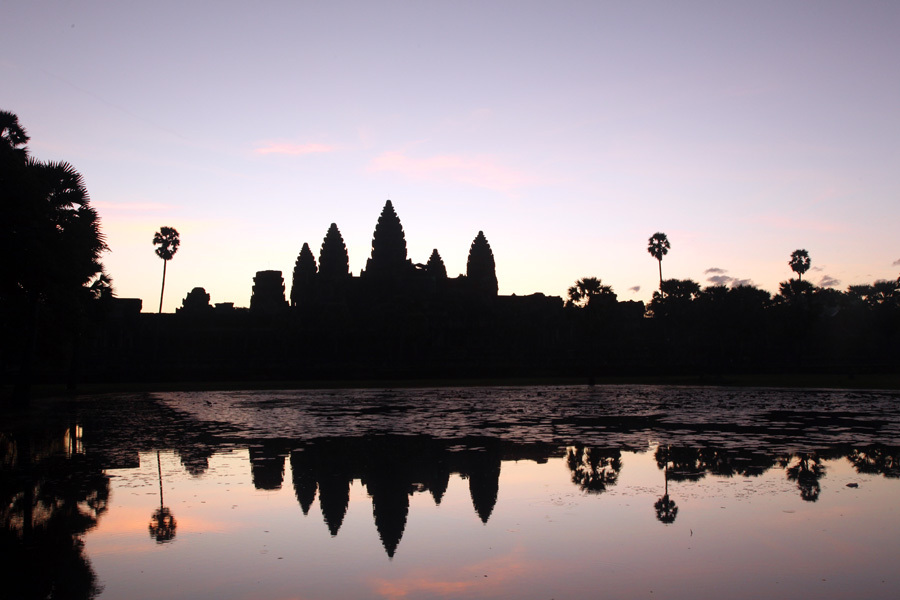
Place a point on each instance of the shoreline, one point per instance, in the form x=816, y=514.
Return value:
x=883, y=381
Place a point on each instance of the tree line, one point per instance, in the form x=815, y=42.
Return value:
x=721, y=329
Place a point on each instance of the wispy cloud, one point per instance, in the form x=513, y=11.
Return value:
x=896, y=263
x=828, y=281
x=720, y=279
x=292, y=149
x=714, y=270
x=741, y=282
x=635, y=289
x=480, y=171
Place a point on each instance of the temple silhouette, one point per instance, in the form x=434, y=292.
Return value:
x=389, y=280
x=398, y=319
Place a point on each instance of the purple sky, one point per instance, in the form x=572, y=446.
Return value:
x=568, y=131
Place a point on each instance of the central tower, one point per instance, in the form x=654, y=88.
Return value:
x=388, y=259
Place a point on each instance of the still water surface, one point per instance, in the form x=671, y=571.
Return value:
x=573, y=492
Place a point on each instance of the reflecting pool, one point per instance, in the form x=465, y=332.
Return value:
x=555, y=492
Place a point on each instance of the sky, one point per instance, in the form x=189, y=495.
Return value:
x=569, y=132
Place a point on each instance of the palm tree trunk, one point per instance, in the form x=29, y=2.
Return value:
x=22, y=387
x=163, y=290
x=660, y=274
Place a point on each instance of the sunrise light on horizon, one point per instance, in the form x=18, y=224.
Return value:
x=568, y=132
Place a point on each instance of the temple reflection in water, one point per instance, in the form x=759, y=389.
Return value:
x=55, y=475
x=56, y=485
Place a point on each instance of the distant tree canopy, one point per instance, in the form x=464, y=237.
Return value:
x=880, y=293
x=674, y=298
x=681, y=289
x=586, y=289
x=334, y=262
x=480, y=268
x=795, y=289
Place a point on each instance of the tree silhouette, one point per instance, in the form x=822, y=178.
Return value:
x=51, y=235
x=480, y=268
x=674, y=299
x=681, y=289
x=50, y=239
x=884, y=292
x=305, y=270
x=48, y=501
x=799, y=262
x=167, y=240
x=794, y=291
x=334, y=262
x=12, y=136
x=584, y=289
x=658, y=246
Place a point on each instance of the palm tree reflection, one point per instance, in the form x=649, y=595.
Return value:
x=878, y=460
x=666, y=509
x=594, y=469
x=162, y=522
x=806, y=472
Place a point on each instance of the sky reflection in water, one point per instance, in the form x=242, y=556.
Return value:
x=545, y=537
x=577, y=492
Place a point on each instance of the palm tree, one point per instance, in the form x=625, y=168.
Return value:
x=167, y=239
x=658, y=246
x=799, y=262
x=13, y=137
x=50, y=238
x=584, y=289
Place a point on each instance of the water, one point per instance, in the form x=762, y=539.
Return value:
x=573, y=492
